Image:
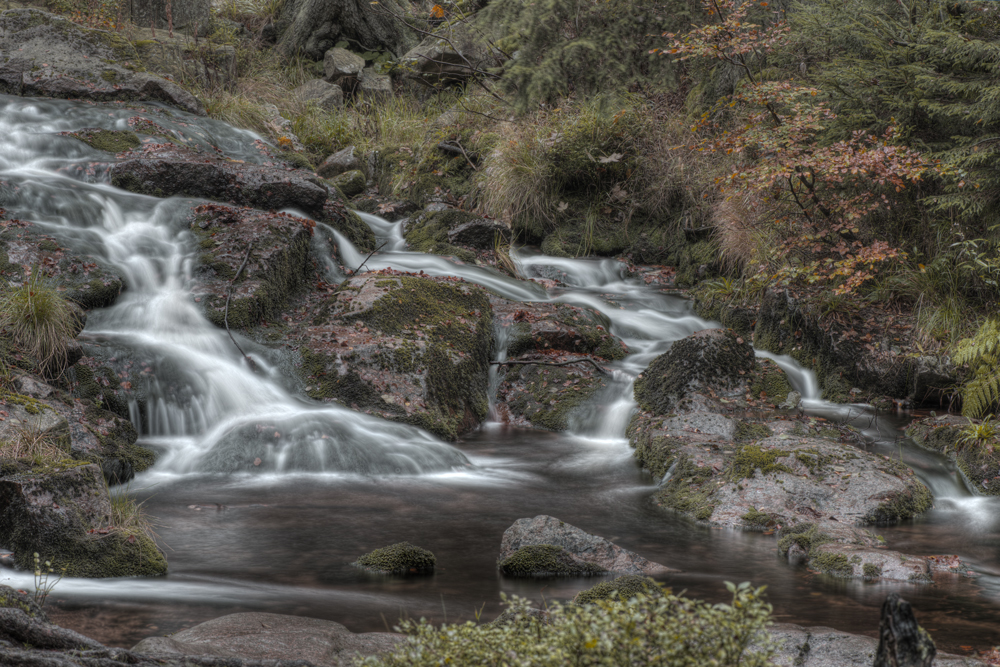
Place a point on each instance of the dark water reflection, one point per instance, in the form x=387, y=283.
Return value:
x=284, y=545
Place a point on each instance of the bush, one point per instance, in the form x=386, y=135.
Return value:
x=666, y=631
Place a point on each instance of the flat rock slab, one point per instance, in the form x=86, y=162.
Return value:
x=586, y=547
x=260, y=636
x=825, y=647
x=44, y=55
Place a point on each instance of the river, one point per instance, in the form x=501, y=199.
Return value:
x=345, y=483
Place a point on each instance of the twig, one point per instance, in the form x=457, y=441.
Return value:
x=355, y=271
x=457, y=150
x=549, y=363
x=225, y=317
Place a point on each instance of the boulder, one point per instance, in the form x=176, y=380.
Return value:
x=25, y=415
x=341, y=67
x=327, y=96
x=262, y=636
x=191, y=15
x=339, y=162
x=181, y=58
x=400, y=558
x=546, y=560
x=163, y=170
x=454, y=53
x=48, y=56
x=481, y=234
x=404, y=347
x=547, y=530
x=312, y=27
x=621, y=588
x=374, y=87
x=351, y=183
x=63, y=512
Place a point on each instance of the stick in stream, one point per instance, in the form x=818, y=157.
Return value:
x=355, y=271
x=225, y=318
x=549, y=363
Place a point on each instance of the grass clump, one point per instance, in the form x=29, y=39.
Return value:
x=622, y=589
x=129, y=516
x=546, y=560
x=664, y=630
x=39, y=322
x=399, y=558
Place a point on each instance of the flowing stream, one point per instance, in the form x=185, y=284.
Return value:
x=343, y=483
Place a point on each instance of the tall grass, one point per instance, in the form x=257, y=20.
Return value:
x=39, y=322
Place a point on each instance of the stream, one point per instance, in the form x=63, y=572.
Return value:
x=345, y=483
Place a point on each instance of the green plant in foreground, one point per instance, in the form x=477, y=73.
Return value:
x=983, y=433
x=981, y=392
x=129, y=516
x=667, y=631
x=44, y=583
x=39, y=321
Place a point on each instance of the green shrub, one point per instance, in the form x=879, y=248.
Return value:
x=665, y=631
x=981, y=391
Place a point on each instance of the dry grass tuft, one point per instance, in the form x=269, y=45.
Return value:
x=39, y=321
x=32, y=445
x=129, y=516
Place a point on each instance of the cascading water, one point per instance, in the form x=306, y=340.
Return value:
x=283, y=542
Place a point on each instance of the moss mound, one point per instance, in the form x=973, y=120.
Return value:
x=546, y=560
x=110, y=141
x=399, y=558
x=750, y=458
x=621, y=589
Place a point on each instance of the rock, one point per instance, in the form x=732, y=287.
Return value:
x=27, y=417
x=29, y=386
x=546, y=560
x=351, y=183
x=481, y=234
x=282, y=128
x=547, y=530
x=456, y=52
x=977, y=465
x=429, y=230
x=800, y=646
x=621, y=588
x=327, y=96
x=792, y=401
x=709, y=364
x=191, y=15
x=902, y=643
x=544, y=327
x=404, y=347
x=374, y=87
x=48, y=56
x=182, y=58
x=58, y=511
x=400, y=558
x=858, y=562
x=110, y=141
x=311, y=27
x=164, y=170
x=342, y=67
x=261, y=636
x=80, y=278
x=933, y=378
x=339, y=162
x=11, y=598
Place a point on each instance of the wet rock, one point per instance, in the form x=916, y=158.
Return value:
x=582, y=546
x=339, y=162
x=979, y=466
x=261, y=636
x=543, y=327
x=351, y=183
x=63, y=512
x=110, y=141
x=277, y=266
x=405, y=347
x=400, y=558
x=458, y=51
x=546, y=560
x=163, y=170
x=80, y=278
x=481, y=234
x=791, y=401
x=341, y=67
x=11, y=598
x=857, y=562
x=327, y=96
x=706, y=365
x=310, y=28
x=544, y=396
x=48, y=56
x=429, y=232
x=374, y=87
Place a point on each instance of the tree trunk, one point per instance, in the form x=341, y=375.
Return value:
x=311, y=27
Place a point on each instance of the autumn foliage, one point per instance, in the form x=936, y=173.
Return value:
x=818, y=192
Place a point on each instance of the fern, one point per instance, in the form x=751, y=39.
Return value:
x=981, y=392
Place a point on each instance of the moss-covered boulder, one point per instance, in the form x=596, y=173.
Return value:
x=447, y=231
x=24, y=414
x=621, y=588
x=49, y=56
x=546, y=560
x=351, y=183
x=977, y=461
x=63, y=513
x=709, y=364
x=77, y=276
x=399, y=558
x=547, y=327
x=544, y=396
x=404, y=347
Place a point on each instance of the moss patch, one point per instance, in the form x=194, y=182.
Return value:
x=751, y=431
x=751, y=458
x=399, y=558
x=546, y=560
x=623, y=588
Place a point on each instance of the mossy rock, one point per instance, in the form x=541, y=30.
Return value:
x=769, y=381
x=546, y=560
x=110, y=141
x=428, y=232
x=351, y=183
x=747, y=431
x=562, y=327
x=622, y=589
x=751, y=458
x=804, y=535
x=709, y=361
x=547, y=396
x=399, y=558
x=11, y=598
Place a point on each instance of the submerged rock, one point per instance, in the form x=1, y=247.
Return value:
x=63, y=512
x=48, y=56
x=621, y=588
x=404, y=347
x=399, y=558
x=581, y=546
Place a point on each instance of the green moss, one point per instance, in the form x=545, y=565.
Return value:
x=14, y=599
x=871, y=570
x=757, y=520
x=813, y=460
x=546, y=560
x=552, y=394
x=654, y=453
x=110, y=141
x=769, y=381
x=350, y=183
x=751, y=431
x=902, y=505
x=622, y=588
x=805, y=535
x=750, y=458
x=688, y=490
x=831, y=563
x=399, y=558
